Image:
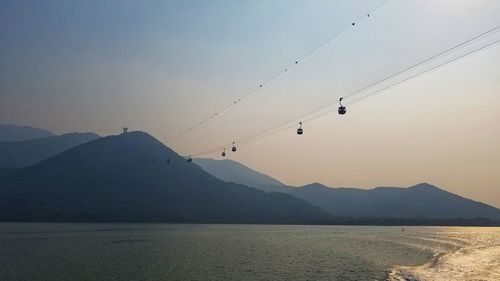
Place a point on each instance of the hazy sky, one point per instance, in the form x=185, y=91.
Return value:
x=162, y=66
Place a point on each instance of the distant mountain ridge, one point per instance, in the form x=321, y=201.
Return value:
x=29, y=152
x=76, y=177
x=134, y=178
x=21, y=133
x=232, y=171
x=422, y=200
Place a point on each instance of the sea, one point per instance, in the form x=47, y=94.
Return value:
x=157, y=252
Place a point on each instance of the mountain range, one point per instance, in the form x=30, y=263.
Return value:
x=422, y=200
x=135, y=178
x=28, y=152
x=20, y=133
x=232, y=171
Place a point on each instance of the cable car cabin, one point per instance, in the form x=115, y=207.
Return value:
x=299, y=130
x=342, y=110
x=234, y=148
x=223, y=154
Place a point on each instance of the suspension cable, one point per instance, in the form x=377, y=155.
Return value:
x=278, y=74
x=283, y=125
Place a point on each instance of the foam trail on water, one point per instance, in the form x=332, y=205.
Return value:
x=475, y=258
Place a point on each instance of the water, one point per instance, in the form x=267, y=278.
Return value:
x=135, y=252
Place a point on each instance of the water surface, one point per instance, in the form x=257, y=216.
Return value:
x=156, y=252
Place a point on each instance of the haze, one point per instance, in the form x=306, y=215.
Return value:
x=162, y=66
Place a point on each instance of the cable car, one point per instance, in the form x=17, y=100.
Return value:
x=342, y=109
x=299, y=130
x=224, y=153
x=234, y=148
x=190, y=159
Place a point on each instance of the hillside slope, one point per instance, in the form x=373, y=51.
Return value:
x=422, y=200
x=126, y=178
x=20, y=133
x=29, y=152
x=232, y=171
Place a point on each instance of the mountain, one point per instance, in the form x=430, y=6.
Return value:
x=232, y=171
x=422, y=200
x=20, y=133
x=126, y=178
x=29, y=152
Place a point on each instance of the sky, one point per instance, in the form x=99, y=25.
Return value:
x=162, y=66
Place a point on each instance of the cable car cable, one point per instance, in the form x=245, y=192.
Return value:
x=463, y=44
x=279, y=127
x=254, y=90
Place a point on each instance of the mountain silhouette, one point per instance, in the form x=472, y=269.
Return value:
x=20, y=133
x=422, y=200
x=29, y=152
x=134, y=178
x=232, y=171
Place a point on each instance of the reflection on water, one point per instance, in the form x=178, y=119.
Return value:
x=246, y=252
x=474, y=254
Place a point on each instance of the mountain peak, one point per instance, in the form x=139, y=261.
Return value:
x=139, y=138
x=315, y=185
x=136, y=135
x=133, y=177
x=135, y=138
x=131, y=146
x=424, y=186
